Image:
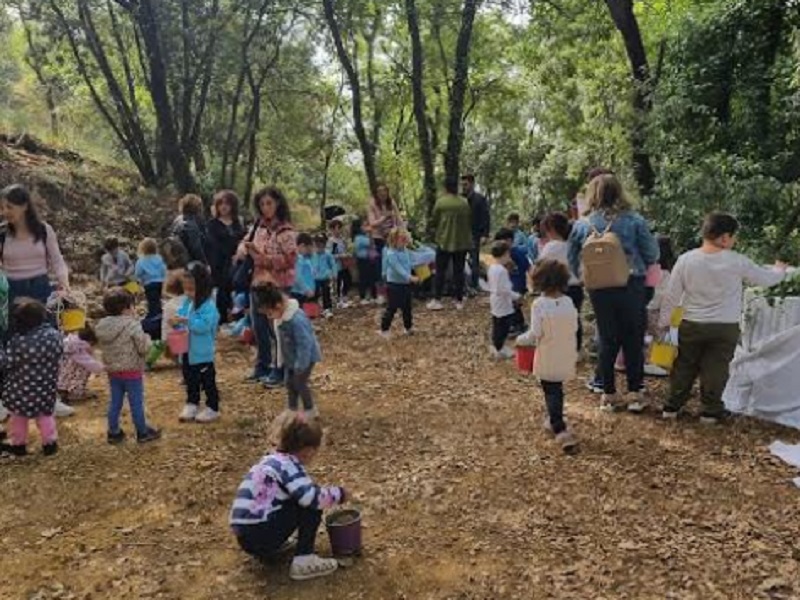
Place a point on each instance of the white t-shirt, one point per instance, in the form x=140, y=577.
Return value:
x=709, y=287
x=559, y=250
x=502, y=294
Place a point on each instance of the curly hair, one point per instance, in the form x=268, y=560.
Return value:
x=550, y=276
x=294, y=433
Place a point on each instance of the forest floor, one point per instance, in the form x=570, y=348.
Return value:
x=463, y=494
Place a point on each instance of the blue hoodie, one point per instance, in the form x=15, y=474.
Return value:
x=397, y=266
x=304, y=281
x=203, y=323
x=298, y=341
x=325, y=266
x=520, y=239
x=519, y=276
x=362, y=245
x=151, y=269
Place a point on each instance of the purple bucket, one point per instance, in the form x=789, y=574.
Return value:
x=344, y=530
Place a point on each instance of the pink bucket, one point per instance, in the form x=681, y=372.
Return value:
x=178, y=342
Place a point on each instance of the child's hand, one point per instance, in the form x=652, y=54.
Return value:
x=177, y=321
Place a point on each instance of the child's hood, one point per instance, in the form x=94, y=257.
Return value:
x=75, y=345
x=111, y=328
x=292, y=306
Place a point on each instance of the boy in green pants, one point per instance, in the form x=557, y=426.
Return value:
x=707, y=283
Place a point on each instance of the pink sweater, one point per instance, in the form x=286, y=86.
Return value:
x=24, y=259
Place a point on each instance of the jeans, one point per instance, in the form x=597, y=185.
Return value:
x=501, y=326
x=443, y=260
x=18, y=429
x=264, y=339
x=366, y=278
x=475, y=262
x=38, y=288
x=134, y=390
x=576, y=294
x=554, y=398
x=202, y=376
x=344, y=281
x=705, y=350
x=324, y=292
x=297, y=385
x=399, y=298
x=620, y=325
x=263, y=540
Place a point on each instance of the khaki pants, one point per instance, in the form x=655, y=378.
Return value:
x=705, y=350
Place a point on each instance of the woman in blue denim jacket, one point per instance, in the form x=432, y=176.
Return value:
x=620, y=312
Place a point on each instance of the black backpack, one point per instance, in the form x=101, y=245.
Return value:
x=173, y=249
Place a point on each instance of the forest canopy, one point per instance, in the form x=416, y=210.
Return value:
x=693, y=102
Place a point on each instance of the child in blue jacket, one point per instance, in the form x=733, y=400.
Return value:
x=305, y=285
x=325, y=271
x=298, y=344
x=199, y=315
x=398, y=276
x=362, y=248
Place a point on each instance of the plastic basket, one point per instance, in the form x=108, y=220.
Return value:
x=525, y=358
x=663, y=354
x=133, y=287
x=73, y=319
x=423, y=272
x=178, y=342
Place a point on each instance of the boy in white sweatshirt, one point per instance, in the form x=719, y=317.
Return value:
x=501, y=299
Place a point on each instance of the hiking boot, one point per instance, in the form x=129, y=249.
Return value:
x=50, y=449
x=151, y=435
x=115, y=438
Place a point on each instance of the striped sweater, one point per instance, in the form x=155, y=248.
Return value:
x=277, y=481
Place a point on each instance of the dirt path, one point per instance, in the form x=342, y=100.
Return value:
x=463, y=496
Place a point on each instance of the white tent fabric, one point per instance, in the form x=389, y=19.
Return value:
x=765, y=374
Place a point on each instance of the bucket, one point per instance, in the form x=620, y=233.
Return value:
x=663, y=355
x=676, y=318
x=423, y=272
x=525, y=356
x=155, y=353
x=73, y=319
x=312, y=310
x=248, y=337
x=178, y=342
x=133, y=287
x=344, y=531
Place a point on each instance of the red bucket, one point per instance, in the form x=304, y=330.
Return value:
x=312, y=310
x=178, y=341
x=248, y=337
x=525, y=356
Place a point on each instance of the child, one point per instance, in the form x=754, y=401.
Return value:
x=124, y=346
x=338, y=248
x=554, y=324
x=30, y=368
x=151, y=272
x=520, y=239
x=298, y=344
x=115, y=265
x=277, y=498
x=707, y=284
x=305, y=285
x=535, y=242
x=502, y=299
x=366, y=268
x=200, y=316
x=77, y=365
x=655, y=296
x=176, y=298
x=398, y=276
x=518, y=271
x=325, y=266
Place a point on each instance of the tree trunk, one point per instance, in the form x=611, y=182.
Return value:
x=420, y=108
x=625, y=21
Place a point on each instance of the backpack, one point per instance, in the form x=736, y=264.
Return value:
x=173, y=250
x=605, y=264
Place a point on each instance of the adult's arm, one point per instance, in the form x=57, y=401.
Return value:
x=55, y=259
x=756, y=275
x=647, y=243
x=484, y=217
x=577, y=238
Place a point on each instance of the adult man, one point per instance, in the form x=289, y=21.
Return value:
x=481, y=224
x=452, y=221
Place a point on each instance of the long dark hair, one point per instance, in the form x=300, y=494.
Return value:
x=282, y=212
x=203, y=282
x=558, y=223
x=389, y=200
x=232, y=200
x=18, y=195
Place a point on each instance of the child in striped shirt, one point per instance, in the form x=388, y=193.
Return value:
x=277, y=498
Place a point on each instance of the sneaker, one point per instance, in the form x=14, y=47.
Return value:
x=115, y=438
x=594, y=386
x=311, y=567
x=207, y=415
x=15, y=450
x=546, y=426
x=380, y=301
x=385, y=334
x=507, y=353
x=151, y=435
x=655, y=371
x=50, y=449
x=459, y=306
x=312, y=414
x=3, y=413
x=669, y=415
x=365, y=302
x=408, y=332
x=609, y=403
x=328, y=314
x=188, y=414
x=274, y=380
x=567, y=441
x=253, y=378
x=63, y=410
x=635, y=403
x=435, y=305
x=708, y=419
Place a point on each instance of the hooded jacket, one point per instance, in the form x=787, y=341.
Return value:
x=298, y=342
x=124, y=344
x=203, y=323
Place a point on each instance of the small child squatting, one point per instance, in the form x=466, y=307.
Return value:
x=554, y=325
x=277, y=498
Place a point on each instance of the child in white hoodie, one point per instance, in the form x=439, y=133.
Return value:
x=502, y=299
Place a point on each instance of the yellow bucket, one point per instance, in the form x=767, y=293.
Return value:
x=663, y=355
x=676, y=318
x=423, y=272
x=73, y=319
x=133, y=287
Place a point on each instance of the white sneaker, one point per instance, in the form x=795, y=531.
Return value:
x=609, y=403
x=63, y=410
x=408, y=332
x=385, y=335
x=207, y=415
x=366, y=302
x=435, y=305
x=655, y=371
x=635, y=403
x=188, y=414
x=507, y=353
x=380, y=301
x=328, y=314
x=459, y=306
x=312, y=566
x=3, y=413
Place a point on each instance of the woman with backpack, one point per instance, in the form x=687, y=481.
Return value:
x=225, y=232
x=271, y=246
x=616, y=248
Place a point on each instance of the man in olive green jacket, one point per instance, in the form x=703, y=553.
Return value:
x=452, y=221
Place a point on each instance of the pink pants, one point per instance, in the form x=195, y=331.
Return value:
x=18, y=429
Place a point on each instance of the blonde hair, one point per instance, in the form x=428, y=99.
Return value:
x=191, y=205
x=148, y=247
x=395, y=235
x=605, y=193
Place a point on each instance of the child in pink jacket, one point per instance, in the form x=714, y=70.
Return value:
x=77, y=365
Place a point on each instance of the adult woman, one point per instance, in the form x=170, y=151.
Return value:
x=190, y=230
x=382, y=217
x=29, y=252
x=619, y=310
x=225, y=232
x=272, y=247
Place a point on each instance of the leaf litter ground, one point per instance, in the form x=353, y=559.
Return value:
x=463, y=495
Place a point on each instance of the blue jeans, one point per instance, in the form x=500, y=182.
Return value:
x=38, y=288
x=134, y=389
x=264, y=339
